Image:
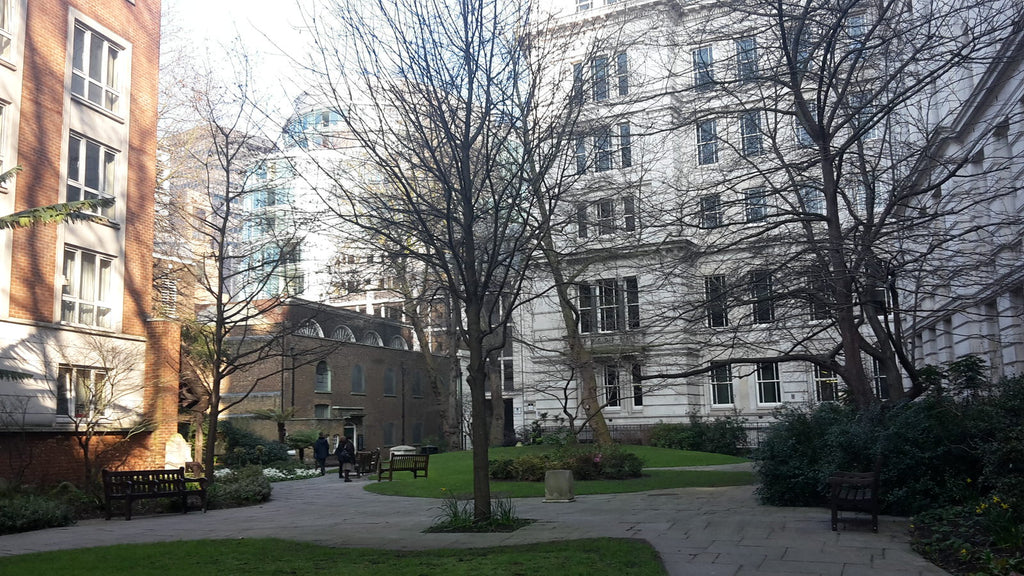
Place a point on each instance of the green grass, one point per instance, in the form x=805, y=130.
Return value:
x=271, y=557
x=453, y=471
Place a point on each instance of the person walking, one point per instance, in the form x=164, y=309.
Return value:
x=320, y=451
x=346, y=453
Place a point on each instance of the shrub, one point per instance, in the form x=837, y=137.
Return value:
x=24, y=512
x=238, y=488
x=245, y=448
x=587, y=462
x=725, y=435
x=530, y=468
x=936, y=451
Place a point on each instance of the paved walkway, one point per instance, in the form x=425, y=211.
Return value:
x=697, y=531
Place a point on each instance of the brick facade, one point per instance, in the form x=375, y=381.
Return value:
x=39, y=116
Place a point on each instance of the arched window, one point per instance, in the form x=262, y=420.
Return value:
x=372, y=338
x=398, y=343
x=358, y=380
x=343, y=333
x=310, y=328
x=323, y=377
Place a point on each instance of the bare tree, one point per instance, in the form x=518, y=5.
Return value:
x=819, y=216
x=100, y=389
x=222, y=199
x=441, y=99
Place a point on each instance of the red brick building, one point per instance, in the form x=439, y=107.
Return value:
x=343, y=373
x=78, y=111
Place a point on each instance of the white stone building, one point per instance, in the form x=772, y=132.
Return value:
x=686, y=143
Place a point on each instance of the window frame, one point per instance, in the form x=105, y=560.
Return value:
x=599, y=70
x=762, y=297
x=612, y=387
x=69, y=392
x=7, y=29
x=755, y=204
x=622, y=74
x=703, y=67
x=107, y=87
x=825, y=380
x=322, y=379
x=716, y=294
x=720, y=379
x=763, y=370
x=751, y=134
x=390, y=382
x=80, y=177
x=636, y=379
x=358, y=380
x=747, y=65
x=711, y=213
x=71, y=290
x=707, y=142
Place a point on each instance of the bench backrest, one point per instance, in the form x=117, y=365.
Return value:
x=407, y=460
x=116, y=482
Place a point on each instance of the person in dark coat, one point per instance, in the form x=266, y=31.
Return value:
x=346, y=453
x=320, y=451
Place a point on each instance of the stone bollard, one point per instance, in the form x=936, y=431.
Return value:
x=558, y=486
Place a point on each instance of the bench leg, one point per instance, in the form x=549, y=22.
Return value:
x=184, y=503
x=835, y=519
x=128, y=508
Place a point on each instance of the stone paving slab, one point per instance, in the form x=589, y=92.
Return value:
x=697, y=531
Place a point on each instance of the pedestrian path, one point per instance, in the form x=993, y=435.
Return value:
x=697, y=531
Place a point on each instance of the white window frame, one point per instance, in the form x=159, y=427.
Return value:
x=711, y=212
x=707, y=142
x=91, y=178
x=762, y=297
x=74, y=306
x=636, y=378
x=703, y=67
x=612, y=388
x=609, y=305
x=812, y=200
x=622, y=74
x=600, y=70
x=71, y=390
x=720, y=378
x=746, y=58
x=826, y=385
x=751, y=138
x=98, y=85
x=768, y=377
x=7, y=28
x=755, y=204
x=716, y=290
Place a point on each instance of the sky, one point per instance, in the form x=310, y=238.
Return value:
x=261, y=24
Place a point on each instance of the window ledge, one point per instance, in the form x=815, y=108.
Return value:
x=112, y=115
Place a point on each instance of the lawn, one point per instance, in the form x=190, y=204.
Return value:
x=259, y=557
x=453, y=472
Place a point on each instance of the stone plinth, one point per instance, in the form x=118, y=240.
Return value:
x=558, y=486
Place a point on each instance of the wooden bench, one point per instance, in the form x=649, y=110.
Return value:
x=854, y=492
x=414, y=463
x=366, y=461
x=132, y=485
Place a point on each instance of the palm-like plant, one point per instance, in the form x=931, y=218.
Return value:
x=76, y=211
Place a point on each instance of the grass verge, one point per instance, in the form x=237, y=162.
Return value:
x=259, y=557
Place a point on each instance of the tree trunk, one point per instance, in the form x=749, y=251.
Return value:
x=580, y=359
